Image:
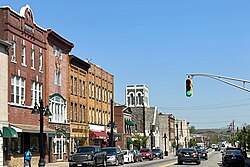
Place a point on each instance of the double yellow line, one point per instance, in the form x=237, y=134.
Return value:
x=170, y=164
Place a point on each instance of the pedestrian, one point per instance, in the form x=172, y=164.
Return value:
x=27, y=157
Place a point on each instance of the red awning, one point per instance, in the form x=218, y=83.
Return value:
x=100, y=135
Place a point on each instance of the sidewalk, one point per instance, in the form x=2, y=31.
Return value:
x=57, y=164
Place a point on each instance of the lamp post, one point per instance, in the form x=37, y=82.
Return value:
x=177, y=137
x=112, y=126
x=43, y=112
x=165, y=141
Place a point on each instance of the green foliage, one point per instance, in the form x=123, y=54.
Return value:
x=193, y=130
x=139, y=140
x=192, y=142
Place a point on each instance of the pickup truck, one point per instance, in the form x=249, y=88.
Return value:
x=88, y=156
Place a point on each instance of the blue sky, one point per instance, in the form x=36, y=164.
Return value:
x=157, y=43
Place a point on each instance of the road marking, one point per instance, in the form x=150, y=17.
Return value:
x=168, y=164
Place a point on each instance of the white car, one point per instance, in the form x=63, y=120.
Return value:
x=128, y=156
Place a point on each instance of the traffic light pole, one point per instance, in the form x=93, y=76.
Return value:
x=223, y=79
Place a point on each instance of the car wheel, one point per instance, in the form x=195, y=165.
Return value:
x=94, y=163
x=122, y=163
x=104, y=163
x=198, y=162
x=180, y=162
x=117, y=162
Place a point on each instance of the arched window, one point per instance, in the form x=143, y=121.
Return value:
x=58, y=108
x=132, y=99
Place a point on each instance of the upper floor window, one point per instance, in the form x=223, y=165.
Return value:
x=92, y=90
x=60, y=54
x=40, y=60
x=32, y=58
x=13, y=49
x=17, y=90
x=71, y=84
x=57, y=78
x=75, y=86
x=36, y=92
x=58, y=109
x=23, y=54
x=75, y=113
x=54, y=50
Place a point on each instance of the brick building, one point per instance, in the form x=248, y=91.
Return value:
x=77, y=103
x=125, y=126
x=57, y=60
x=171, y=125
x=26, y=81
x=100, y=91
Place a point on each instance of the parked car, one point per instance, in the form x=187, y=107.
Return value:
x=137, y=156
x=233, y=157
x=202, y=153
x=114, y=155
x=158, y=153
x=128, y=156
x=147, y=153
x=177, y=152
x=188, y=155
x=231, y=148
x=88, y=155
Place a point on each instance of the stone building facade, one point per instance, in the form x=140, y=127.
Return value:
x=137, y=96
x=183, y=133
x=100, y=93
x=77, y=103
x=164, y=132
x=125, y=126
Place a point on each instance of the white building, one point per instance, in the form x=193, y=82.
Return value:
x=136, y=95
x=182, y=129
x=4, y=124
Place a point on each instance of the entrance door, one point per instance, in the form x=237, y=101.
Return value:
x=59, y=149
x=5, y=152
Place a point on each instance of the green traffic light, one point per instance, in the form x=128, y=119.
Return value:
x=189, y=93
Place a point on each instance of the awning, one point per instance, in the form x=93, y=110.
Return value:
x=31, y=128
x=130, y=123
x=9, y=132
x=100, y=135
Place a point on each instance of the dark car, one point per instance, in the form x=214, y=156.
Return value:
x=114, y=155
x=177, y=152
x=234, y=157
x=157, y=153
x=147, y=153
x=137, y=156
x=231, y=148
x=202, y=153
x=88, y=155
x=188, y=155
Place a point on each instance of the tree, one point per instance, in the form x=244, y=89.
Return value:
x=193, y=130
x=139, y=140
x=192, y=142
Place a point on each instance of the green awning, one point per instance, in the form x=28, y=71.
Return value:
x=9, y=132
x=130, y=123
x=67, y=135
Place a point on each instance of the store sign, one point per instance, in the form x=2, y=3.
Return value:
x=97, y=128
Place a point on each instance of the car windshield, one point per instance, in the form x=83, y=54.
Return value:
x=233, y=152
x=109, y=151
x=188, y=150
x=156, y=150
x=85, y=149
x=144, y=150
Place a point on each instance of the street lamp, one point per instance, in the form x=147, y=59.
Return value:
x=177, y=137
x=43, y=112
x=165, y=140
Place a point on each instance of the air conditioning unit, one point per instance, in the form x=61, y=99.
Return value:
x=23, y=102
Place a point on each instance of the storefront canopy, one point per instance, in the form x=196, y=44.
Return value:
x=9, y=132
x=100, y=135
x=130, y=123
x=31, y=128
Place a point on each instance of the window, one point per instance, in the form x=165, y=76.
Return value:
x=75, y=112
x=32, y=57
x=97, y=116
x=54, y=50
x=17, y=90
x=92, y=90
x=40, y=60
x=60, y=54
x=23, y=54
x=80, y=88
x=93, y=115
x=36, y=92
x=71, y=112
x=58, y=109
x=13, y=49
x=75, y=86
x=71, y=84
x=97, y=92
x=57, y=78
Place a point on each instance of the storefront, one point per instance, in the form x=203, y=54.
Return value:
x=78, y=136
x=98, y=135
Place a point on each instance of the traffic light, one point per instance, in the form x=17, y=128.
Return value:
x=189, y=87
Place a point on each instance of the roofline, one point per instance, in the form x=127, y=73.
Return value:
x=52, y=32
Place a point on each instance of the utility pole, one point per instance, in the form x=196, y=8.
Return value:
x=143, y=119
x=112, y=125
x=177, y=137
